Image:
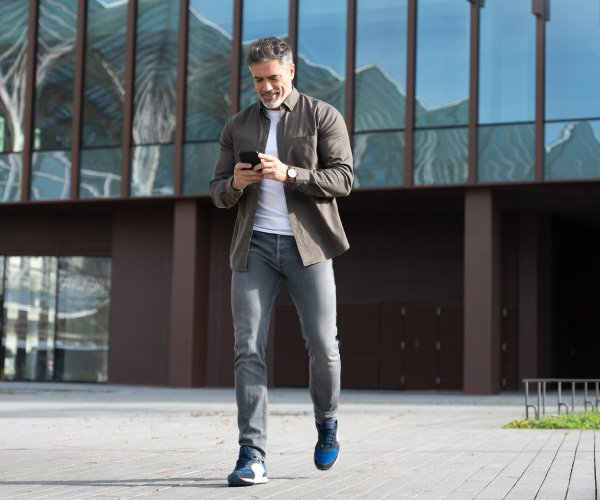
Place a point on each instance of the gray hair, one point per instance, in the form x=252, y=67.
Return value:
x=269, y=48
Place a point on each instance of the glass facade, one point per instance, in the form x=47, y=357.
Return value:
x=260, y=18
x=155, y=97
x=103, y=100
x=321, y=57
x=210, y=38
x=506, y=113
x=53, y=116
x=506, y=81
x=55, y=318
x=442, y=73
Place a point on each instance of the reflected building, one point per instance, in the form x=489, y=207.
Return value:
x=473, y=221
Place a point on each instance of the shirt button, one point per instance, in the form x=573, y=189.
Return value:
x=248, y=234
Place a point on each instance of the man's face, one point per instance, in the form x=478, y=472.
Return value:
x=273, y=82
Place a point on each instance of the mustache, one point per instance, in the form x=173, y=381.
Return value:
x=271, y=92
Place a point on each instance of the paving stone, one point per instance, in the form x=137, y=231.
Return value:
x=76, y=442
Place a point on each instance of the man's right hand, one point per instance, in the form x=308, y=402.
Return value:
x=244, y=175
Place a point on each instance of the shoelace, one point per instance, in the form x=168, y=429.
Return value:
x=327, y=437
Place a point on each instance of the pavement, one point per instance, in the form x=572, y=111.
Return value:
x=78, y=441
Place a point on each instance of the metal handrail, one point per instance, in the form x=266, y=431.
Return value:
x=541, y=393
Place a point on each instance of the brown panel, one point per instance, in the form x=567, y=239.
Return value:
x=411, y=68
x=32, y=234
x=358, y=334
x=181, y=96
x=86, y=233
x=473, y=92
x=450, y=364
x=140, y=298
x=421, y=335
x=220, y=345
x=291, y=360
x=509, y=322
x=391, y=346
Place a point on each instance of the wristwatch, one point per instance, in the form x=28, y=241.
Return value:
x=291, y=174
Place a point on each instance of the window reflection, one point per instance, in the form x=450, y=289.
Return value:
x=83, y=319
x=260, y=18
x=11, y=166
x=54, y=75
x=104, y=82
x=199, y=161
x=442, y=80
x=154, y=101
x=379, y=159
x=572, y=150
x=572, y=60
x=41, y=342
x=506, y=62
x=506, y=153
x=50, y=175
x=209, y=69
x=322, y=50
x=380, y=78
x=29, y=315
x=152, y=170
x=100, y=173
x=13, y=73
x=441, y=156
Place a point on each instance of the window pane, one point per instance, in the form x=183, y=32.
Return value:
x=29, y=316
x=379, y=159
x=100, y=173
x=152, y=170
x=506, y=62
x=506, y=153
x=322, y=50
x=380, y=64
x=442, y=56
x=155, y=72
x=441, y=156
x=199, y=161
x=50, y=175
x=209, y=68
x=83, y=319
x=55, y=70
x=572, y=150
x=11, y=166
x=104, y=91
x=261, y=18
x=573, y=60
x=13, y=65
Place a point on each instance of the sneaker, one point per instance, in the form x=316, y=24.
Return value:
x=327, y=450
x=249, y=469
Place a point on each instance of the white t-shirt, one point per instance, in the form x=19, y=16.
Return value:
x=271, y=211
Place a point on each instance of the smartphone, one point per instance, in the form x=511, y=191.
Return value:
x=249, y=157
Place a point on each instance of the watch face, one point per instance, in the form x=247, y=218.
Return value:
x=291, y=173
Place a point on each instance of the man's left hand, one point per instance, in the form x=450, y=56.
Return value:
x=272, y=168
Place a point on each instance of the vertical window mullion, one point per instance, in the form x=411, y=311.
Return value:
x=128, y=104
x=34, y=6
x=411, y=53
x=473, y=91
x=78, y=97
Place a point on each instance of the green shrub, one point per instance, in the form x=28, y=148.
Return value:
x=585, y=420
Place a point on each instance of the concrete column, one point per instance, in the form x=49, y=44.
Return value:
x=187, y=335
x=481, y=294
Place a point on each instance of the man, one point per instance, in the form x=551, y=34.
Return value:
x=287, y=228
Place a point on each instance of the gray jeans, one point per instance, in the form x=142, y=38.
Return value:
x=271, y=259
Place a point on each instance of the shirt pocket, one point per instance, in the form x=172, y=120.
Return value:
x=304, y=152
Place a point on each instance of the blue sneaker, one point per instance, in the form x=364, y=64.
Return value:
x=250, y=469
x=327, y=450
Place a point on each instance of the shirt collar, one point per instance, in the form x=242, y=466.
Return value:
x=290, y=102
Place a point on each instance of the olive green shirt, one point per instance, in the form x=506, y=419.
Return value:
x=312, y=137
